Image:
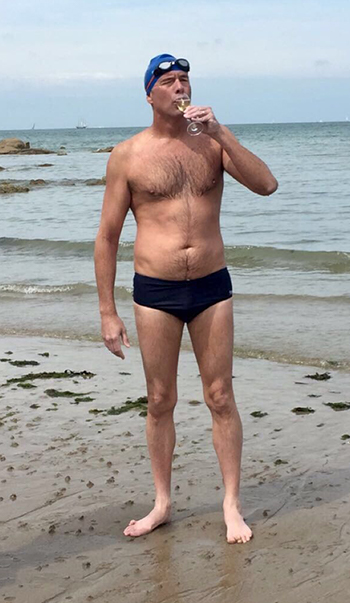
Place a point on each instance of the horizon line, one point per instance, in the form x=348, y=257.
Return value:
x=258, y=123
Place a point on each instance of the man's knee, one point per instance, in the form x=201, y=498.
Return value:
x=219, y=397
x=161, y=400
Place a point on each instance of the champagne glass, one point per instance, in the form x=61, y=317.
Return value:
x=194, y=127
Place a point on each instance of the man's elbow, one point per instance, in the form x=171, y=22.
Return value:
x=270, y=188
x=106, y=243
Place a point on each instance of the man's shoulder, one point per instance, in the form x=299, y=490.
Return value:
x=130, y=144
x=125, y=149
x=122, y=157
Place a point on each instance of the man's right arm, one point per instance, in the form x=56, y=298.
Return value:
x=116, y=203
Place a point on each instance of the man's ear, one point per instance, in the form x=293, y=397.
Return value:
x=149, y=99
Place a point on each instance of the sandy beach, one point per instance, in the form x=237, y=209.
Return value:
x=71, y=480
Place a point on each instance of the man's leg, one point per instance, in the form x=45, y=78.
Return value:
x=211, y=334
x=159, y=336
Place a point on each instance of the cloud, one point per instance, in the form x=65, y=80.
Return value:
x=321, y=63
x=114, y=38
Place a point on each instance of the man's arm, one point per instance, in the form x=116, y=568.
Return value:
x=116, y=203
x=243, y=165
x=237, y=161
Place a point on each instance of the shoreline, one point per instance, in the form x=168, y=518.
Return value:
x=244, y=339
x=71, y=480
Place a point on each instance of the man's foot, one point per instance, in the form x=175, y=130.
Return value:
x=237, y=529
x=155, y=518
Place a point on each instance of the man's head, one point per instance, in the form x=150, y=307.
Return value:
x=166, y=79
x=161, y=64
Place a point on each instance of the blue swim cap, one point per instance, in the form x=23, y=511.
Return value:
x=153, y=64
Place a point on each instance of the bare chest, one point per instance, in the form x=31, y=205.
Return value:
x=169, y=174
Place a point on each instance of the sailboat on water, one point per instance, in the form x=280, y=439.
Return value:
x=81, y=125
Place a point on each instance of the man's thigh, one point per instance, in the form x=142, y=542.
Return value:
x=159, y=335
x=211, y=334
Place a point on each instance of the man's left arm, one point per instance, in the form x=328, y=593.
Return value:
x=243, y=165
x=237, y=161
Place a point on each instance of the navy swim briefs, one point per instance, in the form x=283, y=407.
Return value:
x=184, y=299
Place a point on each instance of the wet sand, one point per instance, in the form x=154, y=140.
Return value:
x=71, y=480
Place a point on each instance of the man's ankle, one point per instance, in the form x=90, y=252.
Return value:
x=232, y=501
x=163, y=502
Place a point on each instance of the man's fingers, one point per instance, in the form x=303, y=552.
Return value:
x=114, y=336
x=125, y=339
x=117, y=351
x=192, y=112
x=114, y=346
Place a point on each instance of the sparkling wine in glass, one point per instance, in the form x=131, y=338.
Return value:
x=194, y=127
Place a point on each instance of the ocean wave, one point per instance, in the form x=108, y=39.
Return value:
x=32, y=289
x=62, y=182
x=292, y=259
x=59, y=248
x=240, y=256
x=46, y=246
x=122, y=293
x=28, y=290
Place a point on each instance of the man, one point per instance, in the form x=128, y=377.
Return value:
x=173, y=184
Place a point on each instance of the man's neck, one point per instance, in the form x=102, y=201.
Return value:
x=168, y=127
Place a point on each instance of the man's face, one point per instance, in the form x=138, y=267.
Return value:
x=167, y=90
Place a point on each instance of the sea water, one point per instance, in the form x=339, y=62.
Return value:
x=288, y=254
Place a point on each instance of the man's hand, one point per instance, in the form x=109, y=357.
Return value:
x=114, y=334
x=206, y=116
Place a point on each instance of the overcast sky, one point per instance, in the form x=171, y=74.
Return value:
x=251, y=60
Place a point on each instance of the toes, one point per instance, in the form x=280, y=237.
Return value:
x=132, y=522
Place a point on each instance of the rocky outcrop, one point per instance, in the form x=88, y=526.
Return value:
x=96, y=181
x=12, y=145
x=106, y=150
x=1, y=169
x=6, y=188
x=38, y=182
x=15, y=146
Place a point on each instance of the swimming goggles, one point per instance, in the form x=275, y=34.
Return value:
x=166, y=66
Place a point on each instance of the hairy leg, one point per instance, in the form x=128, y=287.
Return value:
x=159, y=336
x=211, y=334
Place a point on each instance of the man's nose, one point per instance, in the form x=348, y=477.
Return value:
x=179, y=86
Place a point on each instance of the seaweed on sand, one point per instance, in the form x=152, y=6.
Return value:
x=338, y=405
x=302, y=410
x=319, y=376
x=258, y=414
x=67, y=374
x=138, y=404
x=55, y=393
x=24, y=362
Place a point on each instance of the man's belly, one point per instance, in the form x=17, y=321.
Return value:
x=173, y=259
